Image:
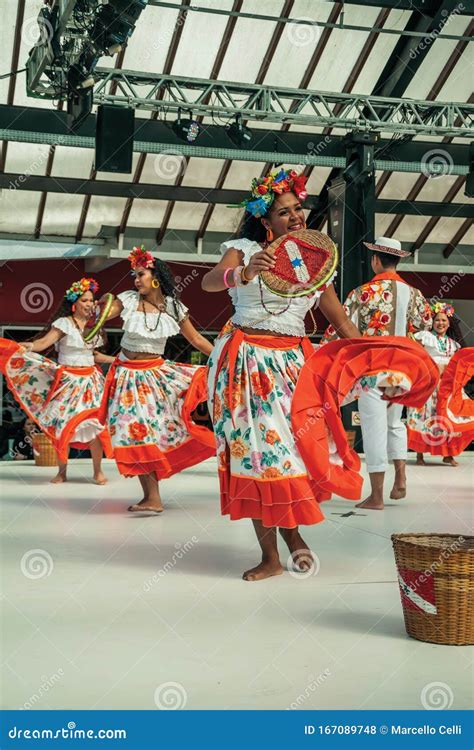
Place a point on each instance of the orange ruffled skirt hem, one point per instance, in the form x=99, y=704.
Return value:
x=183, y=391
x=323, y=381
x=59, y=381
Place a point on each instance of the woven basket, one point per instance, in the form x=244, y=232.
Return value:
x=436, y=578
x=44, y=451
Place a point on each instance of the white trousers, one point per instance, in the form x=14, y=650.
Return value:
x=383, y=432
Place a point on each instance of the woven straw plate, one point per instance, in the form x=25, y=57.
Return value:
x=305, y=261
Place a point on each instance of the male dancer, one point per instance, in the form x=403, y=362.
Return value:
x=384, y=306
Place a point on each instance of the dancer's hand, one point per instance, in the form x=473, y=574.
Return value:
x=26, y=346
x=261, y=261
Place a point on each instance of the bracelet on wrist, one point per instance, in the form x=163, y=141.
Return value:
x=224, y=278
x=238, y=276
x=243, y=276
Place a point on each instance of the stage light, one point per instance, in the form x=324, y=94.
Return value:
x=79, y=77
x=129, y=9
x=187, y=129
x=79, y=106
x=239, y=133
x=114, y=49
x=115, y=23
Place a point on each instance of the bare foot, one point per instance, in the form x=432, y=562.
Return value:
x=100, y=478
x=421, y=461
x=371, y=503
x=59, y=478
x=266, y=569
x=300, y=552
x=147, y=505
x=398, y=493
x=450, y=461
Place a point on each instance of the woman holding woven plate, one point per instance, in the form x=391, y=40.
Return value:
x=256, y=363
x=63, y=397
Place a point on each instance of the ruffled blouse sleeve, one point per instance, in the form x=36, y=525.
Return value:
x=64, y=325
x=247, y=247
x=129, y=301
x=174, y=307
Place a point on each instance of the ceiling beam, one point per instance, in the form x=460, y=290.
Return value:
x=226, y=37
x=422, y=6
x=399, y=71
x=170, y=57
x=454, y=242
x=267, y=59
x=115, y=189
x=93, y=172
x=431, y=224
x=40, y=125
x=14, y=63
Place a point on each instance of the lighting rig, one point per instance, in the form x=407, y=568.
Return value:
x=74, y=35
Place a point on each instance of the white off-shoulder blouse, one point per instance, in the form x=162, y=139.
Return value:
x=247, y=300
x=137, y=337
x=440, y=348
x=71, y=348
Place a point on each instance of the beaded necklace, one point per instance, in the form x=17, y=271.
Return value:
x=89, y=344
x=443, y=342
x=160, y=308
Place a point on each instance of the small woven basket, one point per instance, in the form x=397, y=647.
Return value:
x=44, y=451
x=436, y=579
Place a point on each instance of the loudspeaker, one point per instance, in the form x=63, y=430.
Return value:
x=469, y=190
x=336, y=211
x=114, y=139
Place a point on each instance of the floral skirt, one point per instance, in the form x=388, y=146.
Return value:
x=63, y=401
x=444, y=425
x=274, y=401
x=261, y=472
x=147, y=406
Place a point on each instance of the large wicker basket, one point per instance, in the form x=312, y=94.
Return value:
x=44, y=451
x=436, y=578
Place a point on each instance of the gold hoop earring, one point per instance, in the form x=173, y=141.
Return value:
x=155, y=284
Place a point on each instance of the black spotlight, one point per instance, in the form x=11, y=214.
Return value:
x=129, y=9
x=79, y=105
x=115, y=23
x=187, y=129
x=239, y=133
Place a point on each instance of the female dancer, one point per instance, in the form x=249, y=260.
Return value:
x=262, y=474
x=62, y=398
x=425, y=428
x=148, y=400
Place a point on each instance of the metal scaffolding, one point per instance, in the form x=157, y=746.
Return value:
x=225, y=100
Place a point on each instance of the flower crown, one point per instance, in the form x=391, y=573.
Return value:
x=141, y=257
x=265, y=189
x=78, y=288
x=442, y=307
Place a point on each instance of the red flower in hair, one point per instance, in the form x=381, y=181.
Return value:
x=299, y=186
x=139, y=257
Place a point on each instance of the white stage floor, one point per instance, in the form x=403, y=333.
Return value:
x=104, y=609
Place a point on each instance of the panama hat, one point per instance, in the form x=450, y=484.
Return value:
x=389, y=246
